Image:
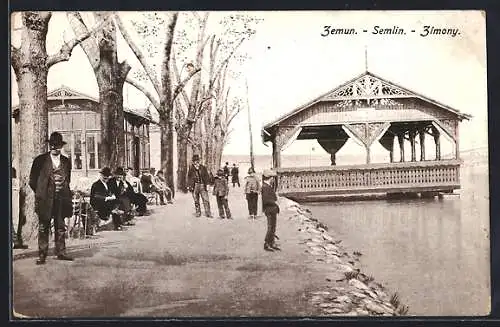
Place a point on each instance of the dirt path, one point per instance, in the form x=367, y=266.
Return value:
x=173, y=264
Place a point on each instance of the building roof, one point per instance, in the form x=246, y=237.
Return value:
x=66, y=93
x=366, y=115
x=367, y=86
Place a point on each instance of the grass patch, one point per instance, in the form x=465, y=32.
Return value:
x=351, y=275
x=395, y=301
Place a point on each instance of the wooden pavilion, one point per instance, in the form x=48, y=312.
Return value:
x=369, y=109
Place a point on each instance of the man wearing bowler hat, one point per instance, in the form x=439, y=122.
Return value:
x=198, y=180
x=50, y=177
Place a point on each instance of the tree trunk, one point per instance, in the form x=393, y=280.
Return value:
x=110, y=75
x=197, y=137
x=112, y=147
x=31, y=75
x=167, y=106
x=167, y=150
x=182, y=163
x=101, y=51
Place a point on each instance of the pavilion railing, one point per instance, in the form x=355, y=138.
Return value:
x=443, y=175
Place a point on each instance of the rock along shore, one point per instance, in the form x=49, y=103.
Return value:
x=350, y=292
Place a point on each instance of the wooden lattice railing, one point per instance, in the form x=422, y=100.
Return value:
x=394, y=177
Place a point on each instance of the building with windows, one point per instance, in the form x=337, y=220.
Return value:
x=76, y=116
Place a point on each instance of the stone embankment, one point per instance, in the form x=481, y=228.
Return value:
x=350, y=292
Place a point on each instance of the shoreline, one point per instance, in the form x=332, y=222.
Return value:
x=351, y=292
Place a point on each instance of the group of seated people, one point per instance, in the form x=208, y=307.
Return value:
x=116, y=193
x=151, y=183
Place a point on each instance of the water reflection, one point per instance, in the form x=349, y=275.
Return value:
x=435, y=253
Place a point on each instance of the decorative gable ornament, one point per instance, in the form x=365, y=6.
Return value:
x=366, y=86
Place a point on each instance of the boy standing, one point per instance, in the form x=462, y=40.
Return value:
x=221, y=190
x=270, y=208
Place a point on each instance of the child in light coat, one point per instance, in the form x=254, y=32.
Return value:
x=221, y=190
x=252, y=190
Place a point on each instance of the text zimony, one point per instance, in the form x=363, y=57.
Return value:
x=395, y=30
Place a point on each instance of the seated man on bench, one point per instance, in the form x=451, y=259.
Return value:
x=103, y=201
x=137, y=198
x=123, y=192
x=148, y=184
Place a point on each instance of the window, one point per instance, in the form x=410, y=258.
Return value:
x=67, y=121
x=78, y=121
x=66, y=150
x=91, y=121
x=81, y=133
x=55, y=122
x=144, y=154
x=98, y=148
x=77, y=150
x=91, y=151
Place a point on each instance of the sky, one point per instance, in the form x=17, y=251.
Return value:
x=291, y=63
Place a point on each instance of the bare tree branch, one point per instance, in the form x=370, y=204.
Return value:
x=148, y=94
x=124, y=69
x=197, y=15
x=219, y=69
x=199, y=107
x=138, y=53
x=181, y=85
x=67, y=48
x=90, y=45
x=177, y=75
x=232, y=114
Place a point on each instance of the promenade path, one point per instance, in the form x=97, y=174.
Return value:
x=172, y=264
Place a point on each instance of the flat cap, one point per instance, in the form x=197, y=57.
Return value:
x=269, y=173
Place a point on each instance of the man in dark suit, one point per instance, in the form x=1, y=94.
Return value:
x=198, y=180
x=102, y=199
x=270, y=209
x=50, y=177
x=124, y=193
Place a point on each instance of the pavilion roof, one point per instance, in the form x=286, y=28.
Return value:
x=367, y=115
x=66, y=93
x=367, y=86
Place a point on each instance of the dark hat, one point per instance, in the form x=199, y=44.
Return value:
x=119, y=171
x=196, y=157
x=56, y=139
x=106, y=171
x=220, y=172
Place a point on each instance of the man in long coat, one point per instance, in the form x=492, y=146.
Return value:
x=198, y=180
x=50, y=178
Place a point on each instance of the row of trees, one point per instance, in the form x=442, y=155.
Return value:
x=197, y=104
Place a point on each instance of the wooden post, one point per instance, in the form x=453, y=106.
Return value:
x=252, y=161
x=391, y=152
x=437, y=142
x=332, y=159
x=457, y=141
x=401, y=140
x=367, y=154
x=421, y=134
x=84, y=145
x=276, y=154
x=413, y=135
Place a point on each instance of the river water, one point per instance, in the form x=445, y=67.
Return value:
x=434, y=253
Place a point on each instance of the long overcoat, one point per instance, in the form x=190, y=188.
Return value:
x=42, y=183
